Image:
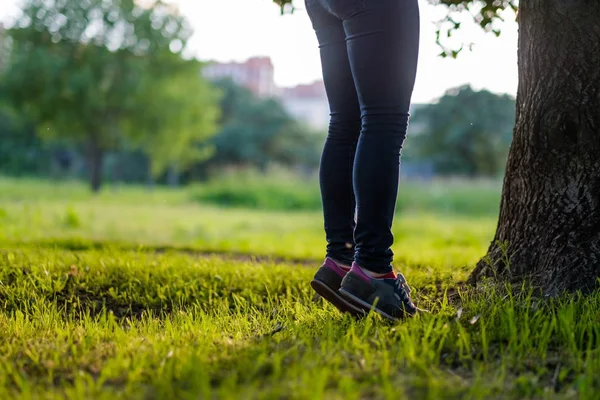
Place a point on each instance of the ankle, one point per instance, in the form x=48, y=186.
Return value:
x=377, y=275
x=344, y=266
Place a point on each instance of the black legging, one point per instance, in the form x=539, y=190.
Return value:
x=369, y=51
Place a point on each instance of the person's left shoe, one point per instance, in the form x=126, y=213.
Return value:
x=327, y=282
x=388, y=295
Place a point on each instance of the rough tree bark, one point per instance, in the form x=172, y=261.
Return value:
x=550, y=208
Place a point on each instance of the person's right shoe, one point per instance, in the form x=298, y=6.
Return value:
x=389, y=297
x=327, y=283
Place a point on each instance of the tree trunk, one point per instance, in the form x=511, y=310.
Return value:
x=117, y=170
x=95, y=161
x=172, y=176
x=550, y=208
x=150, y=182
x=149, y=176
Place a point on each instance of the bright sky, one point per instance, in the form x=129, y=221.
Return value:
x=227, y=30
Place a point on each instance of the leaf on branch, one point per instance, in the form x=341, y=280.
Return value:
x=485, y=13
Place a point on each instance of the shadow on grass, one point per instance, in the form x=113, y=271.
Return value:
x=80, y=244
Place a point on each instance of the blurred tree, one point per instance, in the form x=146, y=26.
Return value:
x=256, y=132
x=549, y=221
x=181, y=114
x=465, y=133
x=76, y=66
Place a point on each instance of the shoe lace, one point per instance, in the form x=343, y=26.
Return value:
x=402, y=285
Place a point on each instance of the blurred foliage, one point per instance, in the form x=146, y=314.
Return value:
x=276, y=190
x=259, y=132
x=182, y=113
x=466, y=133
x=485, y=13
x=78, y=69
x=21, y=150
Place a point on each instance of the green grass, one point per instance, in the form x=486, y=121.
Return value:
x=121, y=296
x=277, y=191
x=250, y=190
x=284, y=191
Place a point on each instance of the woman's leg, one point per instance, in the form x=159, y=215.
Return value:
x=383, y=44
x=337, y=160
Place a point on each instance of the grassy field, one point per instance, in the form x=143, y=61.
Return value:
x=155, y=295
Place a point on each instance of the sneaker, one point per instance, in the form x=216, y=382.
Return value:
x=327, y=282
x=387, y=296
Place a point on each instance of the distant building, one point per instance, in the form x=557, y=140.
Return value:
x=308, y=103
x=256, y=74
